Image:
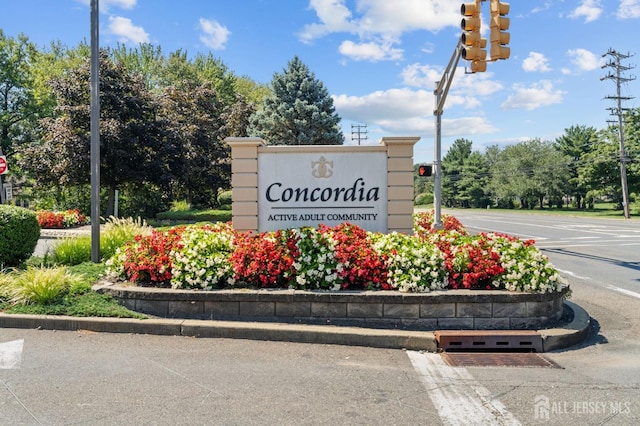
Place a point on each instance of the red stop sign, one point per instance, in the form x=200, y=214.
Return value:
x=3, y=164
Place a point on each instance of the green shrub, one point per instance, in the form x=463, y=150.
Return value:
x=193, y=216
x=19, y=233
x=423, y=199
x=180, y=206
x=225, y=198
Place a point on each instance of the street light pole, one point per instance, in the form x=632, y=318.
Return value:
x=95, y=134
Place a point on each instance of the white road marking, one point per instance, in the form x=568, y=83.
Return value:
x=458, y=397
x=609, y=286
x=572, y=274
x=624, y=291
x=11, y=354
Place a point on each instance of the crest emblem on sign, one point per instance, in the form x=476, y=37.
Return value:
x=322, y=168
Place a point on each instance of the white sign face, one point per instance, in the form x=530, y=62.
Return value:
x=309, y=189
x=8, y=190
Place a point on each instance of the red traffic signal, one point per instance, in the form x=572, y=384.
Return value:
x=425, y=170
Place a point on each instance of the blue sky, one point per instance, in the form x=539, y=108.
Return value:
x=380, y=58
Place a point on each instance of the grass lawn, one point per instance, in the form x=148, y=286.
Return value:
x=604, y=210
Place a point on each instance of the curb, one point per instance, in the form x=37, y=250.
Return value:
x=571, y=334
x=553, y=339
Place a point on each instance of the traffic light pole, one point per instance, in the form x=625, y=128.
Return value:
x=441, y=91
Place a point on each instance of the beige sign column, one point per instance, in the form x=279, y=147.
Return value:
x=244, y=182
x=400, y=182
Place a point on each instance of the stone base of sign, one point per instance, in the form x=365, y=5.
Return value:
x=452, y=309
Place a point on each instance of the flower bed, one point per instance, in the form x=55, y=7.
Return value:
x=59, y=220
x=344, y=257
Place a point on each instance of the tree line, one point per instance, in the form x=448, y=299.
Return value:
x=576, y=169
x=164, y=118
x=163, y=121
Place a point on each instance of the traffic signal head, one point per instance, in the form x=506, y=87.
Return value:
x=425, y=170
x=499, y=37
x=473, y=45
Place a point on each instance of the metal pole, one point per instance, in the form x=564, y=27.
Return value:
x=95, y=135
x=437, y=201
x=441, y=91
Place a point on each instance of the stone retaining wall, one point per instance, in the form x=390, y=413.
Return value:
x=452, y=309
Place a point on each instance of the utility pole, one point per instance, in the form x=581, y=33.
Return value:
x=618, y=110
x=359, y=134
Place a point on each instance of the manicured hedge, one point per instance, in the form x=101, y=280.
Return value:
x=19, y=233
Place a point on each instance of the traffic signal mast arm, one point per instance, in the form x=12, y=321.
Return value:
x=442, y=86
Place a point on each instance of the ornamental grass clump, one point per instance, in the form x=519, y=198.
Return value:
x=40, y=285
x=200, y=259
x=119, y=231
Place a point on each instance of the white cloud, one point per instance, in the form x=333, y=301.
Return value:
x=478, y=84
x=393, y=104
x=370, y=51
x=334, y=16
x=378, y=20
x=590, y=10
x=124, y=4
x=536, y=62
x=408, y=111
x=534, y=96
x=214, y=35
x=398, y=16
x=546, y=6
x=417, y=75
x=127, y=31
x=629, y=9
x=464, y=87
x=584, y=60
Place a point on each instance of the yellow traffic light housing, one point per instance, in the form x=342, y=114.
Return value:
x=473, y=45
x=499, y=23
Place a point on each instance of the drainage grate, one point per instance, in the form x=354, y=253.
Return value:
x=497, y=359
x=489, y=340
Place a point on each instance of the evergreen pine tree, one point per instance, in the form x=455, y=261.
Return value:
x=298, y=112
